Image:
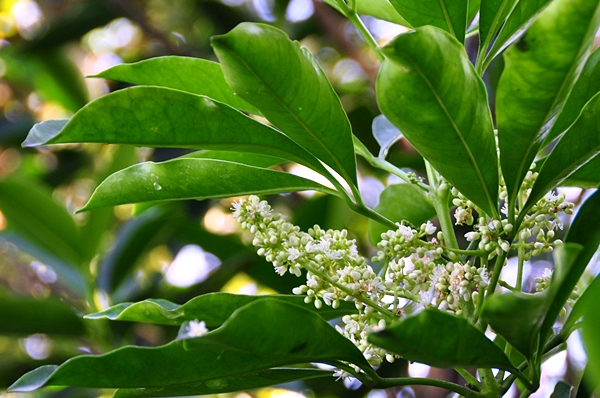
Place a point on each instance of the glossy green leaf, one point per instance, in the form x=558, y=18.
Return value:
x=591, y=342
x=381, y=9
x=401, y=202
x=586, y=300
x=32, y=213
x=429, y=89
x=492, y=15
x=518, y=317
x=250, y=159
x=290, y=90
x=587, y=85
x=261, y=335
x=162, y=117
x=449, y=15
x=194, y=179
x=539, y=74
x=25, y=315
x=263, y=378
x=562, y=390
x=417, y=338
x=525, y=320
x=576, y=147
x=587, y=176
x=518, y=21
x=192, y=75
x=212, y=308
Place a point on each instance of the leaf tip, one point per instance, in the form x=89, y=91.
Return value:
x=33, y=380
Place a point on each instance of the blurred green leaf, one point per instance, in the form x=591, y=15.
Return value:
x=194, y=179
x=591, y=342
x=192, y=75
x=562, y=390
x=417, y=338
x=441, y=108
x=586, y=300
x=587, y=176
x=263, y=378
x=517, y=23
x=448, y=15
x=23, y=316
x=162, y=117
x=290, y=90
x=539, y=74
x=32, y=213
x=212, y=308
x=261, y=335
x=401, y=202
x=586, y=86
x=381, y=9
x=579, y=144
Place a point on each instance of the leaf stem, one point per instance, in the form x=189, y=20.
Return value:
x=350, y=13
x=469, y=378
x=421, y=381
x=439, y=200
x=493, y=282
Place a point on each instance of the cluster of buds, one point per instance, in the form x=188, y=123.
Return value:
x=542, y=284
x=491, y=236
x=464, y=208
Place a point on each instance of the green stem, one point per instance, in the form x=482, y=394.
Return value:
x=519, y=285
x=386, y=313
x=372, y=214
x=469, y=378
x=358, y=23
x=420, y=381
x=493, y=283
x=439, y=200
x=383, y=164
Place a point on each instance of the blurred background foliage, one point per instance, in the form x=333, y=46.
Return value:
x=55, y=265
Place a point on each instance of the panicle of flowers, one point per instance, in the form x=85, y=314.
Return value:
x=335, y=269
x=542, y=284
x=464, y=208
x=491, y=236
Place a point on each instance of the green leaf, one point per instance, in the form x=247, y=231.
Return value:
x=32, y=213
x=525, y=320
x=587, y=176
x=290, y=90
x=250, y=159
x=492, y=15
x=212, y=308
x=518, y=317
x=24, y=316
x=386, y=134
x=579, y=144
x=261, y=335
x=194, y=179
x=591, y=342
x=192, y=75
x=441, y=108
x=259, y=379
x=584, y=89
x=381, y=9
x=448, y=15
x=583, y=302
x=562, y=390
x=401, y=202
x=517, y=23
x=539, y=74
x=417, y=338
x=162, y=117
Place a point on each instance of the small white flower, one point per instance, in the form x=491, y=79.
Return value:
x=430, y=228
x=472, y=236
x=293, y=254
x=194, y=329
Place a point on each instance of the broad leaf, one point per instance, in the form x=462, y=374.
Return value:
x=587, y=176
x=449, y=15
x=520, y=18
x=162, y=117
x=586, y=300
x=212, y=308
x=539, y=74
x=429, y=89
x=400, y=202
x=576, y=147
x=386, y=134
x=289, y=88
x=248, y=381
x=492, y=15
x=584, y=89
x=194, y=179
x=192, y=75
x=32, y=213
x=250, y=159
x=417, y=338
x=591, y=342
x=380, y=9
x=261, y=335
x=24, y=316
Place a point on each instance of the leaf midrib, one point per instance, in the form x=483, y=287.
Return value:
x=458, y=134
x=447, y=18
x=346, y=176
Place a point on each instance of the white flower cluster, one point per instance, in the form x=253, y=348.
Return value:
x=490, y=235
x=335, y=270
